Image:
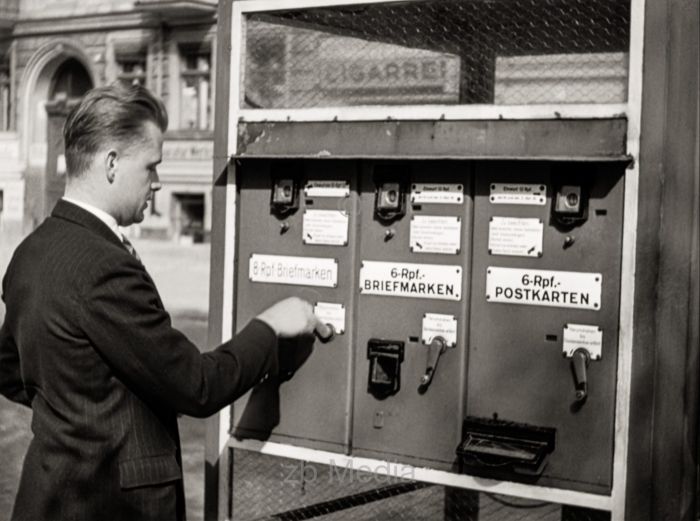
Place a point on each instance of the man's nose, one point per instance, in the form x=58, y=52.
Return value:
x=155, y=181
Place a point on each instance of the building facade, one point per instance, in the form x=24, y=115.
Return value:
x=52, y=51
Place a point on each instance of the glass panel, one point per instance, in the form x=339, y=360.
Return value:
x=439, y=52
x=195, y=101
x=132, y=69
x=4, y=97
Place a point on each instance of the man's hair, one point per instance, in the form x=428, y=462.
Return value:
x=114, y=114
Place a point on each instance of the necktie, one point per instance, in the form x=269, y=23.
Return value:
x=130, y=248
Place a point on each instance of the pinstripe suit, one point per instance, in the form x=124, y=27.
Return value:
x=86, y=343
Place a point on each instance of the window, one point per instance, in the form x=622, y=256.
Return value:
x=189, y=216
x=5, y=94
x=265, y=71
x=447, y=52
x=131, y=68
x=195, y=88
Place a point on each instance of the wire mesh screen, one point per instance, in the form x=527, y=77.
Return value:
x=438, y=52
x=278, y=489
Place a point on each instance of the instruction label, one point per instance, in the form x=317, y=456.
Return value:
x=327, y=188
x=518, y=193
x=333, y=314
x=435, y=324
x=402, y=279
x=565, y=289
x=302, y=271
x=437, y=193
x=515, y=236
x=580, y=335
x=329, y=227
x=435, y=234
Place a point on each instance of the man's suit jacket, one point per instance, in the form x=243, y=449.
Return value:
x=86, y=343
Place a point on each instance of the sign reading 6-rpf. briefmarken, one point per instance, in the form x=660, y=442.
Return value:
x=404, y=279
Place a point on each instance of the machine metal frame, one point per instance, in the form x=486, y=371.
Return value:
x=230, y=115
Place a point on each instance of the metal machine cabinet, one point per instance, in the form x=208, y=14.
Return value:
x=505, y=244
x=417, y=423
x=524, y=329
x=307, y=403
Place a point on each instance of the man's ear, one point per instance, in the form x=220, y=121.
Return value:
x=111, y=165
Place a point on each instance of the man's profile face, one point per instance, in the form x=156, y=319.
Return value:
x=137, y=178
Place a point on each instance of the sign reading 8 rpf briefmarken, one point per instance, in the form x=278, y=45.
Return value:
x=284, y=269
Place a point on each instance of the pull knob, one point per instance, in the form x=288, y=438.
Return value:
x=324, y=332
x=579, y=361
x=435, y=350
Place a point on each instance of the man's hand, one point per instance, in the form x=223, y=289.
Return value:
x=290, y=317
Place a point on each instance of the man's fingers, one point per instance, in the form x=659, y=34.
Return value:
x=324, y=332
x=295, y=316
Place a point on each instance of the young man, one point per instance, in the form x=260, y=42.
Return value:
x=87, y=344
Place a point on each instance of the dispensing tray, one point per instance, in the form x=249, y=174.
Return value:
x=504, y=449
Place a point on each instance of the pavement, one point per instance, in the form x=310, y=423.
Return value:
x=181, y=274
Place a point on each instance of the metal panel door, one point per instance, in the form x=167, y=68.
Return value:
x=308, y=405
x=411, y=425
x=517, y=370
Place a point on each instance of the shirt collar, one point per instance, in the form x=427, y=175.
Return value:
x=103, y=216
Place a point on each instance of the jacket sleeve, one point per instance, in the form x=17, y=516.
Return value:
x=11, y=385
x=125, y=322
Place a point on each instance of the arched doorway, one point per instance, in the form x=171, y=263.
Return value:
x=59, y=66
x=68, y=84
x=70, y=81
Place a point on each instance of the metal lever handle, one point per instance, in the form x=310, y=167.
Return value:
x=580, y=360
x=324, y=332
x=437, y=346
